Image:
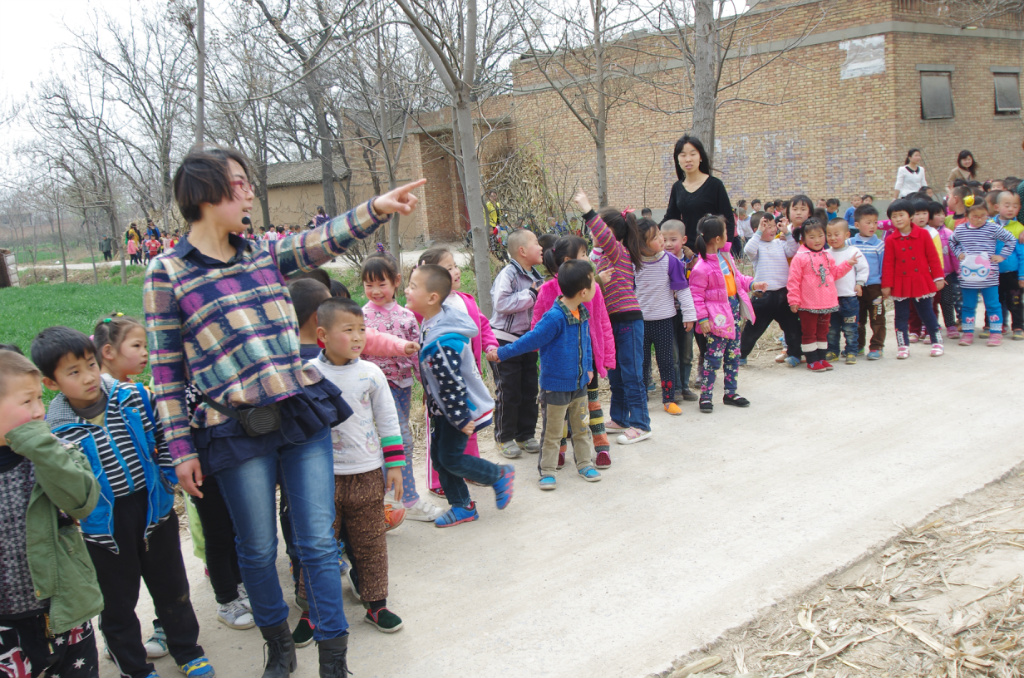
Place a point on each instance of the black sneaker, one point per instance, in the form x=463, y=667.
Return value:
x=303, y=633
x=384, y=619
x=735, y=400
x=689, y=396
x=707, y=406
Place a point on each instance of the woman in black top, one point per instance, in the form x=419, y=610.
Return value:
x=697, y=193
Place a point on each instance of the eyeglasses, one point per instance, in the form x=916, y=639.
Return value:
x=243, y=184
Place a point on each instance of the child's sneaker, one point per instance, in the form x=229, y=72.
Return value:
x=995, y=339
x=243, y=596
x=860, y=352
x=156, y=646
x=902, y=353
x=707, y=407
x=532, y=445
x=954, y=333
x=603, y=460
x=816, y=366
x=303, y=633
x=437, y=492
x=874, y=355
x=914, y=338
x=673, y=409
x=234, y=615
x=612, y=426
x=792, y=361
x=384, y=619
x=781, y=358
x=735, y=400
x=589, y=474
x=967, y=338
x=851, y=359
x=393, y=516
x=503, y=488
x=936, y=350
x=198, y=668
x=983, y=333
x=831, y=355
x=457, y=515
x=1018, y=335
x=547, y=482
x=510, y=450
x=423, y=511
x=632, y=435
x=828, y=366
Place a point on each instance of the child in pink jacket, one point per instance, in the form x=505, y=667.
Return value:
x=483, y=342
x=601, y=338
x=812, y=291
x=722, y=300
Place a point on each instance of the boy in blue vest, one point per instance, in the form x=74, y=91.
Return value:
x=132, y=533
x=563, y=337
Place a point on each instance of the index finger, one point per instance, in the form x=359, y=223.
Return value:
x=412, y=186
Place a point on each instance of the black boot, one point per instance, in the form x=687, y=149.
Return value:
x=280, y=651
x=332, y=657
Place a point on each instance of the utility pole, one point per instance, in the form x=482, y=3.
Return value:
x=200, y=72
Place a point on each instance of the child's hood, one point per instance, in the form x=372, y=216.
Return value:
x=449, y=321
x=60, y=413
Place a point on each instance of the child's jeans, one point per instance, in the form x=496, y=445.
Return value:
x=927, y=314
x=629, y=395
x=722, y=353
x=1009, y=299
x=950, y=301
x=26, y=650
x=448, y=450
x=845, y=321
x=872, y=313
x=992, y=307
x=403, y=403
x=661, y=334
x=557, y=405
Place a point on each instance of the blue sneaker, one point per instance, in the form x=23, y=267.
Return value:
x=874, y=355
x=503, y=488
x=589, y=474
x=457, y=514
x=547, y=482
x=200, y=666
x=792, y=361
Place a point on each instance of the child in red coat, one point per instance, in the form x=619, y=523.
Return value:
x=911, y=272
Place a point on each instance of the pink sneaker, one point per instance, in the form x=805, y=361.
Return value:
x=967, y=338
x=603, y=460
x=995, y=339
x=952, y=332
x=913, y=338
x=903, y=352
x=615, y=426
x=936, y=350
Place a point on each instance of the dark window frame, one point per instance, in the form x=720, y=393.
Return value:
x=1010, y=105
x=937, y=85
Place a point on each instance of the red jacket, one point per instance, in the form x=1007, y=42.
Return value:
x=910, y=266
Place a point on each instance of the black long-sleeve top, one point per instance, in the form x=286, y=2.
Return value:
x=689, y=208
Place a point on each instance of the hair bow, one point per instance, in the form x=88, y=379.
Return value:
x=627, y=211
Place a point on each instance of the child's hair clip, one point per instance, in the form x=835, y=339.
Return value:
x=627, y=211
x=380, y=248
x=969, y=200
x=106, y=320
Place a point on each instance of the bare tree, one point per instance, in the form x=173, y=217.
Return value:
x=466, y=48
x=972, y=13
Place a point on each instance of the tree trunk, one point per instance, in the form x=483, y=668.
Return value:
x=326, y=149
x=601, y=123
x=473, y=192
x=705, y=88
x=60, y=235
x=200, y=72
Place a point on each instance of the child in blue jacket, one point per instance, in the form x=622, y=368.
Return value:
x=563, y=337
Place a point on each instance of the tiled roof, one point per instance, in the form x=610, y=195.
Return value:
x=281, y=174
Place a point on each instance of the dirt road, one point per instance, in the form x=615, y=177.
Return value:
x=687, y=535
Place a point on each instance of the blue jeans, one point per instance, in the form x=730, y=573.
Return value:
x=845, y=320
x=306, y=474
x=629, y=394
x=992, y=307
x=448, y=452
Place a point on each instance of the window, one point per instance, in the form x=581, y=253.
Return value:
x=1007, y=92
x=936, y=95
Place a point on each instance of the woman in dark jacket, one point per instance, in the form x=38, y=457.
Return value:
x=697, y=193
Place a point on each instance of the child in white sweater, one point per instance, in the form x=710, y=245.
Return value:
x=850, y=287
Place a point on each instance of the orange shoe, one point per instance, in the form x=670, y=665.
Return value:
x=672, y=408
x=393, y=516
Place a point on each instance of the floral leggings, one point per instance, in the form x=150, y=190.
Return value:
x=722, y=353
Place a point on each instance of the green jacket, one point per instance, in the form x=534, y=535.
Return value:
x=62, y=571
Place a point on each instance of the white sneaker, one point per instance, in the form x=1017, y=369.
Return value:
x=510, y=450
x=234, y=615
x=532, y=445
x=156, y=646
x=423, y=511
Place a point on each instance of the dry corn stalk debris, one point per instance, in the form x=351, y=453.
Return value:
x=943, y=599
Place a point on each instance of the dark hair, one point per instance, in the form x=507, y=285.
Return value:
x=934, y=208
x=919, y=205
x=433, y=256
x=992, y=196
x=910, y=153
x=320, y=210
x=973, y=169
x=317, y=274
x=625, y=230
x=832, y=201
x=338, y=289
x=840, y=221
x=307, y=295
x=741, y=203
x=705, y=164
x=380, y=268
x=574, y=276
x=799, y=199
x=901, y=205
x=644, y=228
x=330, y=308
x=868, y=196
x=820, y=214
x=812, y=224
x=864, y=210
x=438, y=279
x=978, y=205
x=546, y=241
x=710, y=226
x=113, y=331
x=1011, y=183
x=757, y=217
x=646, y=212
x=566, y=247
x=54, y=343
x=11, y=347
x=203, y=177
x=756, y=200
